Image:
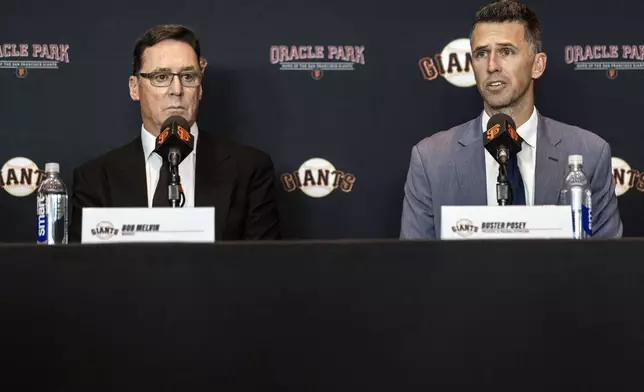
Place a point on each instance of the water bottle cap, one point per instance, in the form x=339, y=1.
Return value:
x=52, y=167
x=575, y=159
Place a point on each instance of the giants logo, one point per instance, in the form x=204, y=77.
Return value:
x=626, y=177
x=105, y=230
x=21, y=177
x=513, y=133
x=183, y=134
x=454, y=63
x=492, y=132
x=163, y=136
x=465, y=228
x=317, y=178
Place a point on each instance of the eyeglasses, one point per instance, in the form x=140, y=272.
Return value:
x=165, y=78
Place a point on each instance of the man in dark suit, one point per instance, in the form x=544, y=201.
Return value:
x=237, y=180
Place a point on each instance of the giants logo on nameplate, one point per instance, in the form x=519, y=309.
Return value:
x=105, y=230
x=465, y=228
x=454, y=63
x=626, y=177
x=317, y=59
x=608, y=58
x=22, y=57
x=20, y=177
x=317, y=178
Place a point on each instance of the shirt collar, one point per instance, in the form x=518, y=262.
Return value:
x=527, y=131
x=149, y=141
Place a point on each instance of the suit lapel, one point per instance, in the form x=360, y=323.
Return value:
x=550, y=164
x=470, y=166
x=215, y=178
x=128, y=184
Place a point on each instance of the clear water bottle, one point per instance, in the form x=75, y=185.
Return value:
x=52, y=207
x=576, y=193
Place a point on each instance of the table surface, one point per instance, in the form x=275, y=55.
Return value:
x=324, y=316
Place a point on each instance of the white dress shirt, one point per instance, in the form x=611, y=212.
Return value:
x=527, y=158
x=153, y=163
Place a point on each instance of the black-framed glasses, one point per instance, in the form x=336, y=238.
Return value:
x=165, y=78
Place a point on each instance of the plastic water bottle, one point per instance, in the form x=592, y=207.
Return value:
x=576, y=193
x=52, y=207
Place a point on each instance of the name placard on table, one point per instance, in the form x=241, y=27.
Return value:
x=500, y=222
x=133, y=224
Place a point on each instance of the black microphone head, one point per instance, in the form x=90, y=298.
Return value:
x=175, y=136
x=502, y=137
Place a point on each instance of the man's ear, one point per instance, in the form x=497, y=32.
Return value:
x=539, y=65
x=203, y=63
x=134, y=88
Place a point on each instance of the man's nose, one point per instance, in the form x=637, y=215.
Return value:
x=176, y=88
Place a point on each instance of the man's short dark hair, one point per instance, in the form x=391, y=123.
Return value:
x=512, y=11
x=162, y=33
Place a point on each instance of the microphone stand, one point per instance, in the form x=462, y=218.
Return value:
x=174, y=188
x=503, y=188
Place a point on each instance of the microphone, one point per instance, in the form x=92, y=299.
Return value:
x=501, y=138
x=175, y=141
x=173, y=144
x=502, y=141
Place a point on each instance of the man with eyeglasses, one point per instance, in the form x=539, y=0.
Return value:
x=237, y=180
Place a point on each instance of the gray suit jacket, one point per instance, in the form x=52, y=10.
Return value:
x=448, y=168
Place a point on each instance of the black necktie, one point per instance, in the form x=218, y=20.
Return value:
x=516, y=182
x=161, y=193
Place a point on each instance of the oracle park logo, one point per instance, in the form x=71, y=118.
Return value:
x=453, y=63
x=317, y=178
x=317, y=59
x=22, y=57
x=20, y=177
x=610, y=59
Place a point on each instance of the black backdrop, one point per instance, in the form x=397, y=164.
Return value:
x=363, y=121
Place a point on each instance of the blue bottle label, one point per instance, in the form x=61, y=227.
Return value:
x=586, y=220
x=42, y=228
x=41, y=222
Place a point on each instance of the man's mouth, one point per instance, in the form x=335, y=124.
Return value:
x=495, y=85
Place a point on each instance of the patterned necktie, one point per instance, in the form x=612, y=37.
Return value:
x=516, y=182
x=161, y=193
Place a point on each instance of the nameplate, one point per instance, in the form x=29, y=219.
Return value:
x=129, y=224
x=500, y=222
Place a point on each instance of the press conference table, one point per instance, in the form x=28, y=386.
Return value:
x=324, y=316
